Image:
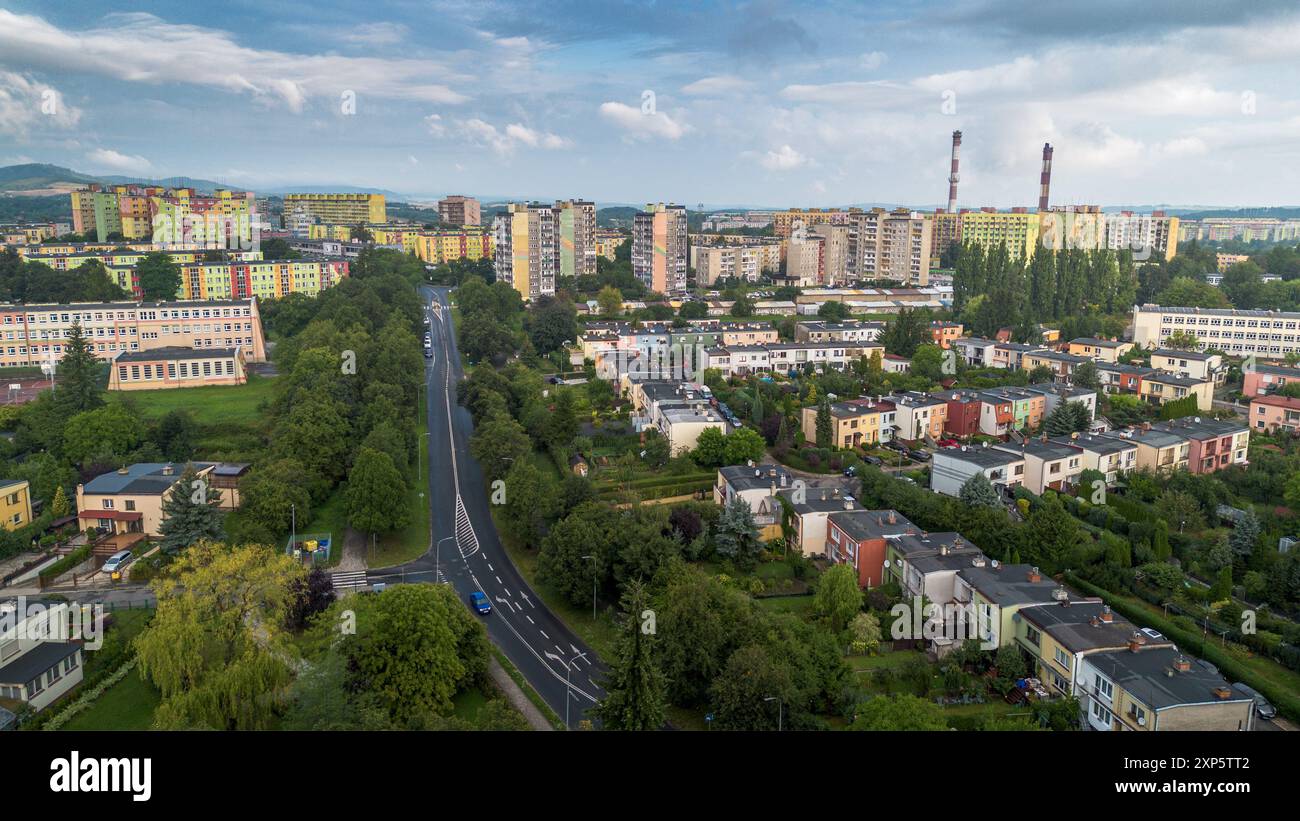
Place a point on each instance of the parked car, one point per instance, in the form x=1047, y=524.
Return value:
x=919, y=455
x=851, y=470
x=894, y=444
x=117, y=561
x=1263, y=708
x=873, y=460
x=428, y=353
x=480, y=603
x=948, y=443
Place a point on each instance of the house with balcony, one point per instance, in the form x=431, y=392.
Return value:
x=860, y=539
x=998, y=591
x=1057, y=393
x=1159, y=451
x=1198, y=365
x=1027, y=407
x=1057, y=636
x=1146, y=688
x=1060, y=363
x=756, y=485
x=1105, y=453
x=1214, y=444
x=1161, y=387
x=130, y=500
x=1011, y=355
x=926, y=564
x=810, y=508
x=919, y=415
x=1048, y=465
x=976, y=351
x=1121, y=378
x=856, y=423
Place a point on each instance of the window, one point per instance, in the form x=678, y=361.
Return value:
x=1105, y=688
x=1062, y=658
x=1100, y=713
x=1138, y=715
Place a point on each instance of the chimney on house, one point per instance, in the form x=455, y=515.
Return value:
x=1034, y=575
x=1135, y=641
x=1183, y=664
x=1106, y=615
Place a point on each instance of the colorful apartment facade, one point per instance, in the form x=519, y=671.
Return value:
x=660, y=253
x=351, y=209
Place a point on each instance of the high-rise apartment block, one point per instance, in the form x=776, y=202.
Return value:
x=576, y=223
x=743, y=261
x=353, y=209
x=168, y=215
x=659, y=247
x=945, y=231
x=458, y=210
x=785, y=223
x=535, y=244
x=1149, y=236
x=892, y=245
x=1018, y=228
x=835, y=242
x=803, y=262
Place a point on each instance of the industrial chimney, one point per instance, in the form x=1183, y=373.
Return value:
x=1045, y=181
x=953, y=176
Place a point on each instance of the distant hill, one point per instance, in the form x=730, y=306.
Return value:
x=1281, y=212
x=32, y=176
x=615, y=216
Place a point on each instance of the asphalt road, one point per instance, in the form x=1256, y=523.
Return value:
x=466, y=552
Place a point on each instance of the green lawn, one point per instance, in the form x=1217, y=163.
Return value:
x=409, y=543
x=467, y=703
x=232, y=423
x=127, y=705
x=894, y=660
x=211, y=405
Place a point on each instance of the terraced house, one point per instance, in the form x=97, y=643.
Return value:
x=856, y=423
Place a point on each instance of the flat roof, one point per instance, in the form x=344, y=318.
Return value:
x=1039, y=449
x=982, y=457
x=746, y=477
x=175, y=352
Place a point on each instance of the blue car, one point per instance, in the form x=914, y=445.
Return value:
x=480, y=603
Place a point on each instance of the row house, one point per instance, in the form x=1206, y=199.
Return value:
x=1010, y=355
x=1198, y=365
x=1260, y=380
x=919, y=415
x=851, y=331
x=951, y=468
x=1105, y=453
x=975, y=351
x=859, y=538
x=1159, y=451
x=757, y=486
x=1048, y=465
x=1214, y=444
x=1120, y=378
x=855, y=423
x=1061, y=364
x=1161, y=387
x=1275, y=413
x=810, y=510
x=1056, y=393
x=1028, y=408
x=1101, y=350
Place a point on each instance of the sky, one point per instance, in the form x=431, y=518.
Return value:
x=760, y=103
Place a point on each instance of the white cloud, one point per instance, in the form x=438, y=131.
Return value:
x=784, y=158
x=141, y=48
x=376, y=34
x=27, y=105
x=717, y=86
x=641, y=126
x=434, y=123
x=506, y=141
x=107, y=157
x=873, y=60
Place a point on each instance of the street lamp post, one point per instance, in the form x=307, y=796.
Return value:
x=593, y=586
x=568, y=687
x=780, y=711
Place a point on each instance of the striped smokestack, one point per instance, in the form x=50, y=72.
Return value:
x=1045, y=181
x=953, y=176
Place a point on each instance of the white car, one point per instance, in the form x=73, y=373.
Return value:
x=117, y=561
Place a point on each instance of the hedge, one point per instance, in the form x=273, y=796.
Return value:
x=65, y=564
x=1285, y=701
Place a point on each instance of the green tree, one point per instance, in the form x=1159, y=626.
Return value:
x=978, y=491
x=78, y=389
x=825, y=430
x=865, y=632
x=1052, y=533
x=1085, y=375
x=710, y=448
x=1245, y=533
x=159, y=277
x=833, y=311
x=375, y=498
x=743, y=445
x=634, y=685
x=838, y=598
x=416, y=646
x=610, y=300
x=215, y=647
x=898, y=712
x=191, y=512
x=106, y=434
x=59, y=507
x=1175, y=506
x=271, y=497
x=497, y=443
x=735, y=534
x=752, y=691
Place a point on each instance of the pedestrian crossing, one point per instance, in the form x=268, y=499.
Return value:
x=349, y=580
x=466, y=540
